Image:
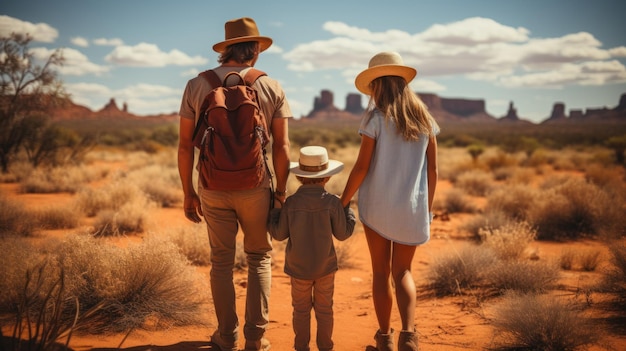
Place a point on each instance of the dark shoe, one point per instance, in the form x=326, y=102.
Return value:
x=224, y=342
x=258, y=345
x=407, y=341
x=384, y=342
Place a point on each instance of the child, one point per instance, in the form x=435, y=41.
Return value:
x=310, y=218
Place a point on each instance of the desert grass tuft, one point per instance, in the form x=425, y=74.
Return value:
x=160, y=183
x=567, y=259
x=576, y=209
x=614, y=277
x=513, y=200
x=58, y=217
x=509, y=241
x=457, y=201
x=346, y=253
x=147, y=282
x=192, y=241
x=475, y=182
x=539, y=322
x=589, y=260
x=18, y=256
x=130, y=218
x=14, y=219
x=60, y=179
x=455, y=273
x=521, y=276
x=487, y=219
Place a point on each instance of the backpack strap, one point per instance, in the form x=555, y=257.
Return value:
x=212, y=78
x=252, y=75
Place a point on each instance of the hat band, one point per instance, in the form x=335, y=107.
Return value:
x=313, y=168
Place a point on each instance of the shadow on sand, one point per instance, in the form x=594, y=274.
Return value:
x=181, y=346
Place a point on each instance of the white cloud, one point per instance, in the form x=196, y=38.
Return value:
x=80, y=41
x=587, y=73
x=472, y=31
x=75, y=63
x=478, y=48
x=426, y=85
x=618, y=51
x=108, y=42
x=142, y=99
x=149, y=55
x=40, y=32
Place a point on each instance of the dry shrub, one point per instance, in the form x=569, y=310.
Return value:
x=576, y=209
x=589, y=260
x=160, y=183
x=605, y=177
x=475, y=182
x=614, y=277
x=454, y=273
x=18, y=256
x=14, y=219
x=496, y=158
x=513, y=200
x=131, y=217
x=539, y=322
x=457, y=201
x=192, y=241
x=488, y=219
x=453, y=161
x=147, y=282
x=346, y=253
x=112, y=196
x=509, y=241
x=60, y=179
x=521, y=276
x=567, y=259
x=58, y=217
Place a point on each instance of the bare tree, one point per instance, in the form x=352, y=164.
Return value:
x=28, y=91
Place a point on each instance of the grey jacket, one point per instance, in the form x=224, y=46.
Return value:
x=310, y=218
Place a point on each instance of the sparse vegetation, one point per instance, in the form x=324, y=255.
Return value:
x=540, y=322
x=509, y=241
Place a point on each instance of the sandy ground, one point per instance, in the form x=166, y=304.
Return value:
x=451, y=323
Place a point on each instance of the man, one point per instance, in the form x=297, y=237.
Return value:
x=224, y=211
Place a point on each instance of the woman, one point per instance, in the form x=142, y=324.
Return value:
x=396, y=175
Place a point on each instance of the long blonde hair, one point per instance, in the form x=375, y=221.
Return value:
x=398, y=103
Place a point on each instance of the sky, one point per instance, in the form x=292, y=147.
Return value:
x=532, y=53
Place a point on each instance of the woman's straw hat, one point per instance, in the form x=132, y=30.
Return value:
x=241, y=30
x=383, y=64
x=314, y=163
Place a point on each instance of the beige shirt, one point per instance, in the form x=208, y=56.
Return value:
x=271, y=95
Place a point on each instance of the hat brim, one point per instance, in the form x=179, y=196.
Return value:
x=364, y=78
x=264, y=43
x=334, y=167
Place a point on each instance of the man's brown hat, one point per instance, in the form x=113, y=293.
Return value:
x=242, y=30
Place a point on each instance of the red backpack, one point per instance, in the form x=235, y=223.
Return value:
x=232, y=134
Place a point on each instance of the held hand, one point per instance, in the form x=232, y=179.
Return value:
x=279, y=200
x=193, y=209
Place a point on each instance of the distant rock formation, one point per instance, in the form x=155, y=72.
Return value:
x=353, y=104
x=324, y=108
x=511, y=114
x=450, y=109
x=618, y=113
x=71, y=111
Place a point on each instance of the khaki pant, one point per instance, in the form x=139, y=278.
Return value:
x=317, y=295
x=223, y=212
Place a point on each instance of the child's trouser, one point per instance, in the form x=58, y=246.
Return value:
x=317, y=295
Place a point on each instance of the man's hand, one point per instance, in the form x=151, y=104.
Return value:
x=193, y=209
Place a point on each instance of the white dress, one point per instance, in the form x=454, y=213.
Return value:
x=393, y=198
